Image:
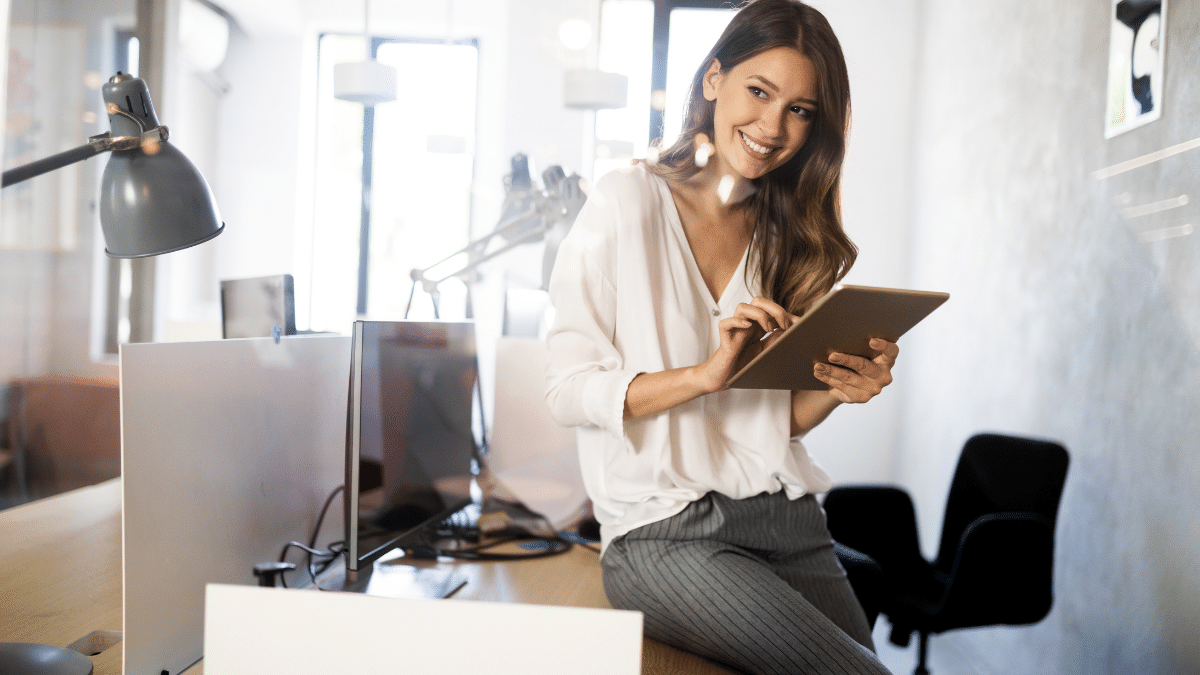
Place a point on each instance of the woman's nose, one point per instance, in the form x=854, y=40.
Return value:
x=771, y=124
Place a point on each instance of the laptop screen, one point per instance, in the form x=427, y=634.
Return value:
x=410, y=440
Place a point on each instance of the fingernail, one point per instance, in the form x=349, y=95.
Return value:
x=822, y=368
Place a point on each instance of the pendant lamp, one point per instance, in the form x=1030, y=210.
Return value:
x=368, y=82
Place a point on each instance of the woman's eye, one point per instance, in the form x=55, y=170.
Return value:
x=803, y=112
x=757, y=92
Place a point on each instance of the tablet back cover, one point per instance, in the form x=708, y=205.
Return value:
x=844, y=320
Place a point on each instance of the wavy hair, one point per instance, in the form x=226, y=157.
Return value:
x=801, y=248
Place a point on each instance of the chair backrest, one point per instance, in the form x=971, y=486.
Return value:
x=1001, y=474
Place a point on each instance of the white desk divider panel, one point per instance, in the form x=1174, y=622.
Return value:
x=529, y=452
x=252, y=631
x=228, y=451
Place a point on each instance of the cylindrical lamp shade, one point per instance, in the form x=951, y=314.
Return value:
x=152, y=200
x=594, y=89
x=368, y=82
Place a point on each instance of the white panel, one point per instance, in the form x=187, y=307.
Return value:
x=264, y=630
x=529, y=452
x=229, y=449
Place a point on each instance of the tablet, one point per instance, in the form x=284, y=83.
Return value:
x=844, y=320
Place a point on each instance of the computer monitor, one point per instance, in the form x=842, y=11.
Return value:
x=410, y=441
x=258, y=307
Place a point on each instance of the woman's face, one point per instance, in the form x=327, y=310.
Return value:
x=764, y=110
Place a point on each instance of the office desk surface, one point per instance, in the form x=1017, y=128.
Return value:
x=60, y=579
x=60, y=570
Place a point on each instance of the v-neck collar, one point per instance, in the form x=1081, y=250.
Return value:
x=693, y=267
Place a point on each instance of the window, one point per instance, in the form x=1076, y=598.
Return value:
x=658, y=45
x=394, y=180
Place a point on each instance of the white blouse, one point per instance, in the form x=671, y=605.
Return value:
x=629, y=299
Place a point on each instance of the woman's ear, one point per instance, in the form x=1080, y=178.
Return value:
x=712, y=80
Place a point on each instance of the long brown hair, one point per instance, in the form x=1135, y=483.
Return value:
x=798, y=238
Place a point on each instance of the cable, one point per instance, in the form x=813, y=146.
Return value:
x=312, y=541
x=335, y=548
x=312, y=573
x=480, y=553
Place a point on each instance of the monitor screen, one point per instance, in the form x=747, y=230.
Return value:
x=410, y=439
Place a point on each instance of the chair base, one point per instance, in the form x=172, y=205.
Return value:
x=922, y=651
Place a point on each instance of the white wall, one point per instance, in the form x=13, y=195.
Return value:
x=879, y=39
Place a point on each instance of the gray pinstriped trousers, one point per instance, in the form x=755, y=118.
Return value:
x=752, y=583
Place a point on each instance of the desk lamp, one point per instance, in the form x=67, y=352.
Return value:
x=529, y=214
x=152, y=201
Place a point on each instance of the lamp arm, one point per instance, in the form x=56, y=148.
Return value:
x=95, y=145
x=531, y=236
x=41, y=166
x=502, y=228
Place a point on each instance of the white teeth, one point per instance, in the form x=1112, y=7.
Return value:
x=760, y=149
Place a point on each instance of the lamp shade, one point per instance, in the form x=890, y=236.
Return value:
x=152, y=200
x=368, y=82
x=594, y=89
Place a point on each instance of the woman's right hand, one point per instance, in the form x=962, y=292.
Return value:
x=742, y=338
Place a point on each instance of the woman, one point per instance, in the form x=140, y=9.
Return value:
x=667, y=281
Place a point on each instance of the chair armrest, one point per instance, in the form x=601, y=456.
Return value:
x=865, y=577
x=1003, y=571
x=879, y=521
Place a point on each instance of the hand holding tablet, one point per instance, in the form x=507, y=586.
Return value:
x=844, y=320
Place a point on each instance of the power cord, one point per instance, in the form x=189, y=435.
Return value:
x=314, y=555
x=480, y=553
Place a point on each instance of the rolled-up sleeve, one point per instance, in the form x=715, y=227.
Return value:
x=586, y=381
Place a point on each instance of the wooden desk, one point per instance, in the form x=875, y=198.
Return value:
x=60, y=579
x=60, y=570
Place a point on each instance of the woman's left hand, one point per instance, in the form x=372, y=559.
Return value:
x=854, y=379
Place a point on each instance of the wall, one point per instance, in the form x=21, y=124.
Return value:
x=1063, y=321
x=878, y=38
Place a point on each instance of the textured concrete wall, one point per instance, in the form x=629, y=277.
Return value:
x=1067, y=320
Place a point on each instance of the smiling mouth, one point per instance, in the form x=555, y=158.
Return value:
x=758, y=149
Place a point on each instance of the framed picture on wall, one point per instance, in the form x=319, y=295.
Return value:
x=1135, y=64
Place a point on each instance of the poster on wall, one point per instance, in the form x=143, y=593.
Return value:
x=1135, y=64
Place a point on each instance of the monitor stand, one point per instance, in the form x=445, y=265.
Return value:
x=394, y=577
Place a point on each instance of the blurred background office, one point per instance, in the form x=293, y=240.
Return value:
x=983, y=161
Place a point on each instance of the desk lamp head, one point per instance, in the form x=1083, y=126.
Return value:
x=152, y=199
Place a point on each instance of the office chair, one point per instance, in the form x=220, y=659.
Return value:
x=995, y=561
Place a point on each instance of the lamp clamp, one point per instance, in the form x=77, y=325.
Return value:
x=106, y=141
